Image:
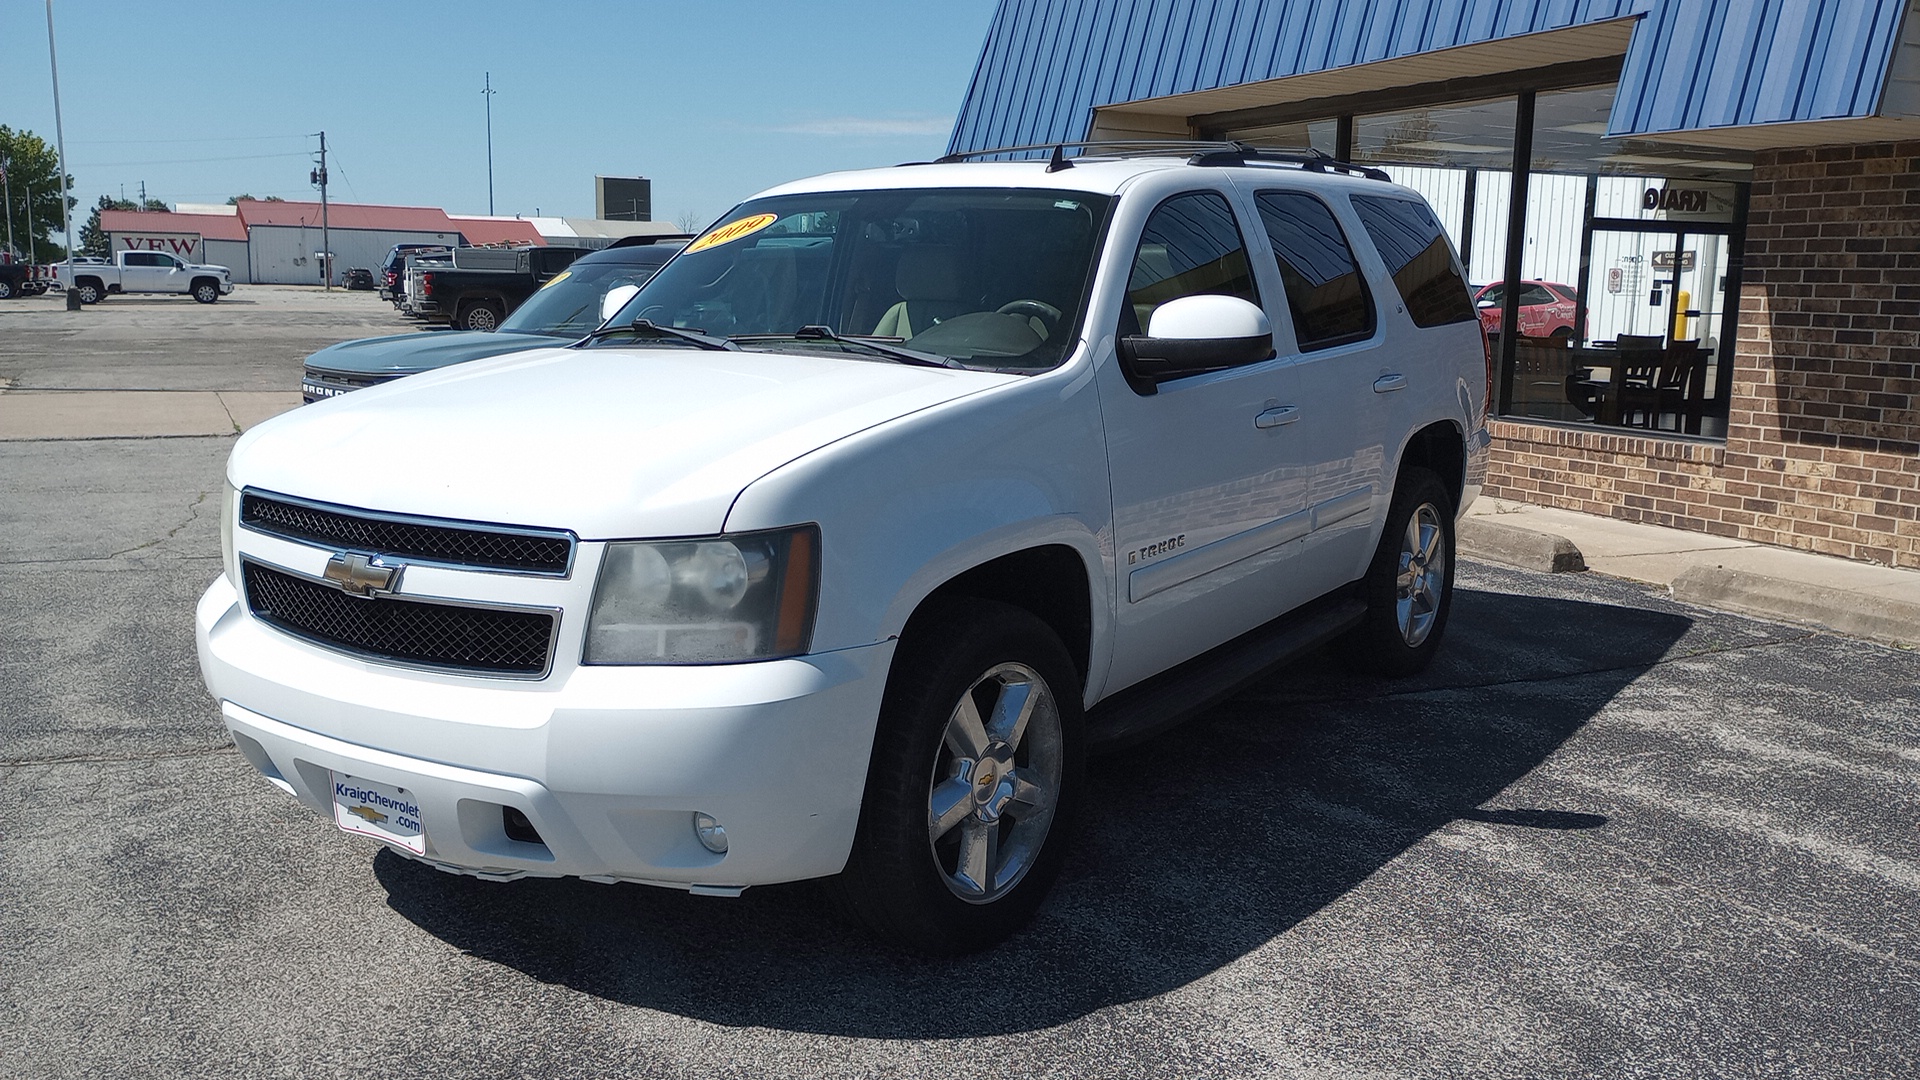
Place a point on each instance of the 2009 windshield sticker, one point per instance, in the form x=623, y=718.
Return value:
x=557, y=279
x=731, y=231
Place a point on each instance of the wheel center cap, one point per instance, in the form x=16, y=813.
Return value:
x=991, y=788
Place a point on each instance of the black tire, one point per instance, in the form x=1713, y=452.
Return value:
x=6, y=289
x=906, y=878
x=1401, y=633
x=89, y=291
x=480, y=315
x=206, y=290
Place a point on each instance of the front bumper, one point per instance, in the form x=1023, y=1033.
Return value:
x=226, y=287
x=609, y=764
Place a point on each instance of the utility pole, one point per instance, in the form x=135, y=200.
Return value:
x=60, y=141
x=487, y=93
x=326, y=240
x=6, y=193
x=31, y=249
x=143, y=196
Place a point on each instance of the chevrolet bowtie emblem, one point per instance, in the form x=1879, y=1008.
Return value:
x=360, y=575
x=368, y=814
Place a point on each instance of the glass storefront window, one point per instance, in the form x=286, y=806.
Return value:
x=1626, y=276
x=1459, y=157
x=1628, y=266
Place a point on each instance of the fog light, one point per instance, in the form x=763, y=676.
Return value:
x=712, y=834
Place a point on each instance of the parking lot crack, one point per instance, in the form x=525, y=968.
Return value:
x=193, y=514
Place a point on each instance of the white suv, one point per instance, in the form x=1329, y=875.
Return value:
x=837, y=547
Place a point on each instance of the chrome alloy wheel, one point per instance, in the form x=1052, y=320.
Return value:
x=1423, y=574
x=995, y=783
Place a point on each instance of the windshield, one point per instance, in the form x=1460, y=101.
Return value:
x=991, y=277
x=569, y=304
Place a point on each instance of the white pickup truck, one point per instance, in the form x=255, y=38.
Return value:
x=146, y=272
x=834, y=550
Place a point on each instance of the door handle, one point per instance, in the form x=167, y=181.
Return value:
x=1285, y=414
x=1387, y=384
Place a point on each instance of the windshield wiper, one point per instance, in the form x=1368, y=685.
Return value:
x=861, y=344
x=647, y=328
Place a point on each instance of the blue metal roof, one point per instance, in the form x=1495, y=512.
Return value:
x=1731, y=63
x=1047, y=64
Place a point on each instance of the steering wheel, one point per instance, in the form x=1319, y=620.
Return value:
x=1033, y=309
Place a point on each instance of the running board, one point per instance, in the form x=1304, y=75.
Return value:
x=1148, y=708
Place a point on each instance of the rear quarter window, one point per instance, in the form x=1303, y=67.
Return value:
x=1417, y=254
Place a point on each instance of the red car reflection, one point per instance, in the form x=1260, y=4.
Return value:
x=1546, y=308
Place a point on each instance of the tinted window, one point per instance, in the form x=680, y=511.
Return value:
x=139, y=258
x=1325, y=291
x=1418, y=256
x=1536, y=296
x=1190, y=247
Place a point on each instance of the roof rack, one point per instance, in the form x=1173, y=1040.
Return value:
x=644, y=239
x=1212, y=154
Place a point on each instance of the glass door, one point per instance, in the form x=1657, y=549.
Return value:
x=1656, y=305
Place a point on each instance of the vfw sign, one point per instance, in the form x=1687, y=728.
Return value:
x=185, y=245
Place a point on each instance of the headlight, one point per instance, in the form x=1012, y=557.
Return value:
x=731, y=598
x=229, y=507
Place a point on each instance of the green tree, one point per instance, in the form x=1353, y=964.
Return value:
x=93, y=238
x=32, y=194
x=236, y=200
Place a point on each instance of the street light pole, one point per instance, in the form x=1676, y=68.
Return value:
x=60, y=142
x=488, y=94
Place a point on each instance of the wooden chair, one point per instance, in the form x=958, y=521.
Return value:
x=1648, y=394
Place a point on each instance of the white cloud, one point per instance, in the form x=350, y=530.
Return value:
x=870, y=127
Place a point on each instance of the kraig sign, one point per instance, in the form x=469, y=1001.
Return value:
x=184, y=245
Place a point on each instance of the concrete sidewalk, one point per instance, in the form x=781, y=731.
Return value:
x=135, y=414
x=1736, y=575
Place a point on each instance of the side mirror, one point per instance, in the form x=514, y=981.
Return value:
x=616, y=299
x=1196, y=334
x=1486, y=304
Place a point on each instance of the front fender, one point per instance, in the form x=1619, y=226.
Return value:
x=909, y=505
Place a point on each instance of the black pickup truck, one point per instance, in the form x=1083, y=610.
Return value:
x=478, y=287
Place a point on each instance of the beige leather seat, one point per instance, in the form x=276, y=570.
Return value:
x=928, y=281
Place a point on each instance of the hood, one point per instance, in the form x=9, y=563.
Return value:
x=404, y=354
x=609, y=443
x=210, y=267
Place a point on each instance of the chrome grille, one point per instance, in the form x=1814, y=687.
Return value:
x=473, y=546
x=424, y=633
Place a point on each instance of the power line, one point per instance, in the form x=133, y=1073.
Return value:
x=146, y=142
x=183, y=161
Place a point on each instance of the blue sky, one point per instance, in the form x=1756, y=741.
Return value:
x=713, y=100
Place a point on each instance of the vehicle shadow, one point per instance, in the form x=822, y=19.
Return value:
x=1199, y=846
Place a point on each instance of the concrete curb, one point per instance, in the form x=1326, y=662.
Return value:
x=1528, y=549
x=1860, y=614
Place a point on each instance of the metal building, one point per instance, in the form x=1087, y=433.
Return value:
x=219, y=239
x=284, y=238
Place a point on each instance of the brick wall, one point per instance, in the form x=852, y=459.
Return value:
x=1823, y=439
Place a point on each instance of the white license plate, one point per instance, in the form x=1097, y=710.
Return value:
x=381, y=811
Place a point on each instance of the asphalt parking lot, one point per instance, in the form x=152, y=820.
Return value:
x=1607, y=835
